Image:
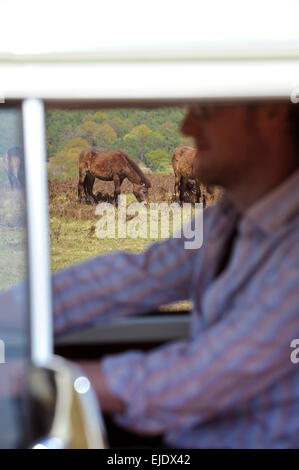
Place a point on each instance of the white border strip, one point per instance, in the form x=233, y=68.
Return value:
x=41, y=328
x=144, y=80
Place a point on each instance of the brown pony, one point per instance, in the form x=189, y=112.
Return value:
x=13, y=164
x=183, y=164
x=113, y=165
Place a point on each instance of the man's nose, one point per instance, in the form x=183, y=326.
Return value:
x=191, y=124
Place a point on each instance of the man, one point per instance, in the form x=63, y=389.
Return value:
x=231, y=383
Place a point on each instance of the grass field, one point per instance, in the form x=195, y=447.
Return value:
x=72, y=225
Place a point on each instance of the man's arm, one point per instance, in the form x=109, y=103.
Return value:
x=109, y=402
x=121, y=284
x=190, y=382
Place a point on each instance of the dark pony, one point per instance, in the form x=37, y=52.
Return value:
x=184, y=166
x=13, y=163
x=113, y=165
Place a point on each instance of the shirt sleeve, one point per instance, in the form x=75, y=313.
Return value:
x=186, y=383
x=120, y=284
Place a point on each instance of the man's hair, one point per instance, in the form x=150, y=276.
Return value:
x=294, y=126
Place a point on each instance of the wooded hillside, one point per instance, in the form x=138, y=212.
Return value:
x=149, y=136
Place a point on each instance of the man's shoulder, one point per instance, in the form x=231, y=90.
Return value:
x=288, y=245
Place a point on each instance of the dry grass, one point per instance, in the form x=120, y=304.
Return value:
x=12, y=236
x=64, y=201
x=72, y=225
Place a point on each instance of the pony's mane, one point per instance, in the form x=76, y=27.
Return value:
x=137, y=169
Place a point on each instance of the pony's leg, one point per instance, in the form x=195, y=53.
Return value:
x=88, y=185
x=14, y=167
x=177, y=179
x=17, y=170
x=21, y=177
x=14, y=178
x=182, y=189
x=82, y=175
x=85, y=186
x=198, y=191
x=117, y=183
x=11, y=181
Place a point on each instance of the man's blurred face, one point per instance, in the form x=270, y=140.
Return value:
x=228, y=140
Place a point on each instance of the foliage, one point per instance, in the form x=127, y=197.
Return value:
x=100, y=117
x=60, y=123
x=105, y=136
x=158, y=160
x=89, y=131
x=77, y=142
x=131, y=145
x=139, y=132
x=65, y=162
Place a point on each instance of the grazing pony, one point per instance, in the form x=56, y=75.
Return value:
x=113, y=165
x=13, y=164
x=183, y=164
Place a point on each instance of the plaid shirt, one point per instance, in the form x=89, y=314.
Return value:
x=231, y=383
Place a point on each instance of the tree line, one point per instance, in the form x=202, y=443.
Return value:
x=149, y=136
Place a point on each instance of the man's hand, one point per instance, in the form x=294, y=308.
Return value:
x=109, y=403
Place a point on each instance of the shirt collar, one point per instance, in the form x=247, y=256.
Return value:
x=277, y=207
x=273, y=210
